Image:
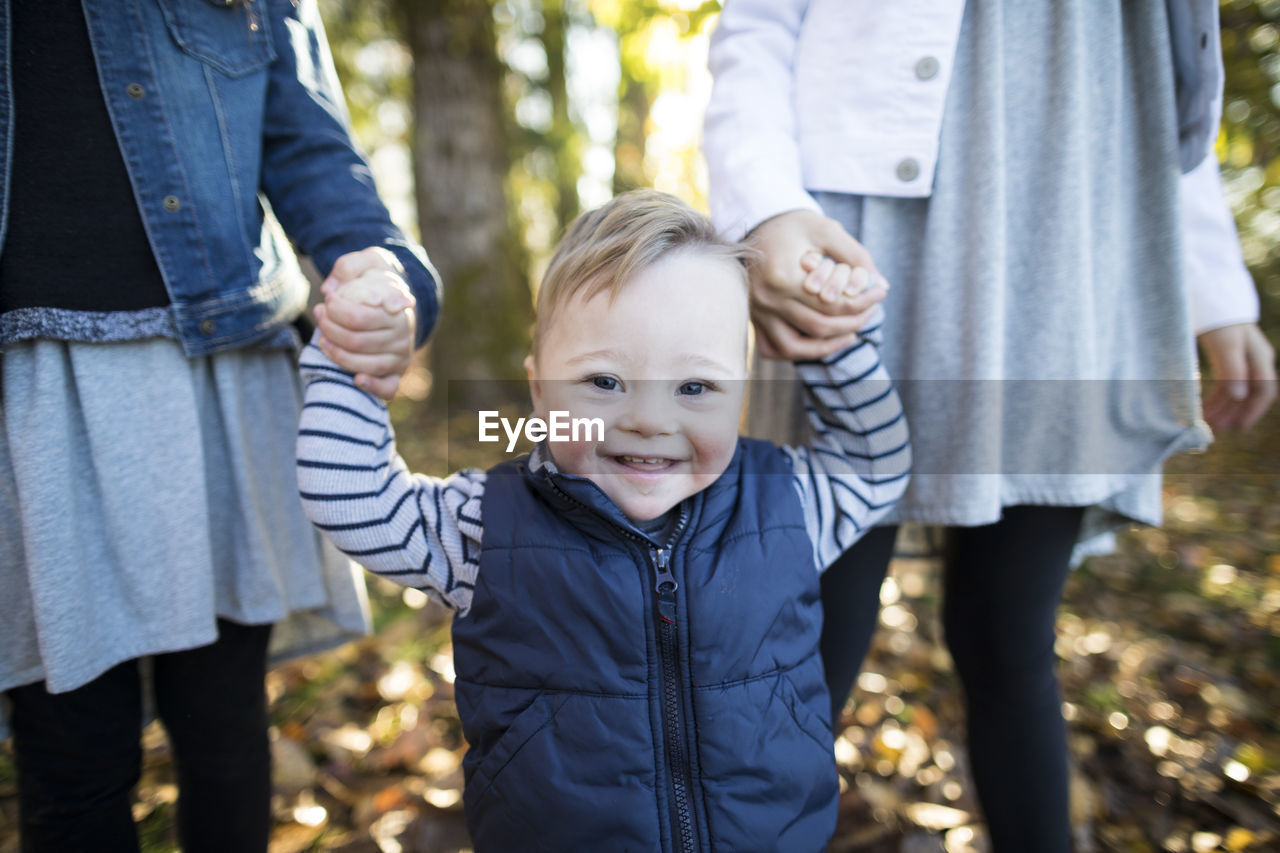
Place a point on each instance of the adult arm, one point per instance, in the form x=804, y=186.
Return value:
x=757, y=187
x=1224, y=302
x=1221, y=290
x=749, y=136
x=319, y=186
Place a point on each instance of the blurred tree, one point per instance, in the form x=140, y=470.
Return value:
x=546, y=150
x=1250, y=141
x=460, y=162
x=564, y=136
x=484, y=171
x=637, y=23
x=481, y=92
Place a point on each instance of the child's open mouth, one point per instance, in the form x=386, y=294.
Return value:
x=645, y=464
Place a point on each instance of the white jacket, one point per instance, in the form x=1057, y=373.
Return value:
x=847, y=96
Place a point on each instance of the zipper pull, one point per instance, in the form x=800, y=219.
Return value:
x=666, y=585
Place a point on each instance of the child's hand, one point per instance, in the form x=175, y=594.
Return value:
x=367, y=321
x=815, y=288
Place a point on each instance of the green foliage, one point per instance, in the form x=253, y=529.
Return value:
x=373, y=65
x=8, y=773
x=1249, y=144
x=156, y=831
x=1102, y=698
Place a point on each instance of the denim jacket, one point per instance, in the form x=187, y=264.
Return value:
x=230, y=119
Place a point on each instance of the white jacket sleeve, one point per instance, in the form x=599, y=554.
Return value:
x=1221, y=290
x=749, y=137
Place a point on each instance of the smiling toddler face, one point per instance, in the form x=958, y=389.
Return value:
x=661, y=361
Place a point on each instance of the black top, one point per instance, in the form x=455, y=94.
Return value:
x=75, y=238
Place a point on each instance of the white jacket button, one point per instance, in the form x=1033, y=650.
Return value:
x=908, y=169
x=927, y=68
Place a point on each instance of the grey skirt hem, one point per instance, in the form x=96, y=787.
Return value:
x=142, y=496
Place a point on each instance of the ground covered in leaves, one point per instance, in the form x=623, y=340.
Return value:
x=1170, y=663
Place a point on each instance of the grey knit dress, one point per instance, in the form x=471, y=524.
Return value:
x=142, y=496
x=1037, y=325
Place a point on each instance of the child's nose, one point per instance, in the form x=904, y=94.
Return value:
x=650, y=412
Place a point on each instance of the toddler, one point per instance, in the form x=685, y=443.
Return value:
x=636, y=639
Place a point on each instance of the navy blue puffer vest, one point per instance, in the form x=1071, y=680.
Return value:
x=619, y=695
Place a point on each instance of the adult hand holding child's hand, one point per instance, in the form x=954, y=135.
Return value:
x=814, y=288
x=368, y=319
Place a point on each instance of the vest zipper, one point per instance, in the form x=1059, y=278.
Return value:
x=669, y=651
x=678, y=766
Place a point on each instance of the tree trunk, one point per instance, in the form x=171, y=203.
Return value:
x=563, y=136
x=461, y=160
x=634, y=102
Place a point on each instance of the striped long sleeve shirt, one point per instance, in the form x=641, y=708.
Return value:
x=426, y=532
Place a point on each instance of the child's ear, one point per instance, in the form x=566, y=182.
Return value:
x=535, y=392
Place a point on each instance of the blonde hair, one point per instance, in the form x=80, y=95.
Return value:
x=604, y=248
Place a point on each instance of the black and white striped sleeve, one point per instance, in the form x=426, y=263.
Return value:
x=419, y=531
x=859, y=461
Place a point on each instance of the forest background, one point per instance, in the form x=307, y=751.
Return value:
x=490, y=125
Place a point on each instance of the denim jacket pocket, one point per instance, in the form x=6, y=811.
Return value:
x=229, y=35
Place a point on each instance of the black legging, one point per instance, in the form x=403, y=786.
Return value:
x=78, y=755
x=1003, y=583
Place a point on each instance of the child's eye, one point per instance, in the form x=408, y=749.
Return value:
x=695, y=388
x=604, y=383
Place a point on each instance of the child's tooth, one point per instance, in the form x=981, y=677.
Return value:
x=643, y=460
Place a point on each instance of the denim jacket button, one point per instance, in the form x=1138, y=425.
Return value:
x=135, y=90
x=171, y=203
x=908, y=169
x=208, y=327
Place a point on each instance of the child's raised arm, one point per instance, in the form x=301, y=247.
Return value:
x=419, y=531
x=859, y=461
